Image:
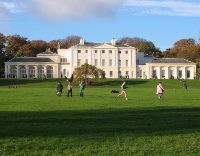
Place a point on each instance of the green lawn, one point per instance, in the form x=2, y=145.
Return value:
x=35, y=122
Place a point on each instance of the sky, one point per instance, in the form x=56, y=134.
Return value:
x=162, y=22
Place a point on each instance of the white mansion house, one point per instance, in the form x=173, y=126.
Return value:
x=115, y=59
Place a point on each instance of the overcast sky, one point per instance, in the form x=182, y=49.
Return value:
x=162, y=22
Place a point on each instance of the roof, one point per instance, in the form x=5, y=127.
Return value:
x=90, y=44
x=170, y=60
x=30, y=59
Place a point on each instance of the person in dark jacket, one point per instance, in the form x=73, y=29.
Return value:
x=59, y=89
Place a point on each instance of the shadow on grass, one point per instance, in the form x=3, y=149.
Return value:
x=30, y=82
x=157, y=121
x=118, y=82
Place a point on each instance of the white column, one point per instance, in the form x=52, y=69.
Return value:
x=36, y=71
x=176, y=72
x=18, y=71
x=184, y=73
x=167, y=73
x=6, y=71
x=27, y=71
x=159, y=73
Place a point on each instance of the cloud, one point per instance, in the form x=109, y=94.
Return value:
x=74, y=9
x=163, y=7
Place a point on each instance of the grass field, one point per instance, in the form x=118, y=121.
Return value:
x=35, y=122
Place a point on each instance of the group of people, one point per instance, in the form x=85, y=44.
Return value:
x=81, y=86
x=59, y=89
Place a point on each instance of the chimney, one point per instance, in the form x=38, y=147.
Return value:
x=58, y=47
x=113, y=41
x=82, y=41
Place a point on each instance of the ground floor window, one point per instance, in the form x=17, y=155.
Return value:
x=23, y=72
x=40, y=72
x=13, y=72
x=31, y=72
x=180, y=74
x=163, y=73
x=111, y=73
x=50, y=72
x=188, y=74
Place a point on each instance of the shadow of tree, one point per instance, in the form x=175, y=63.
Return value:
x=154, y=121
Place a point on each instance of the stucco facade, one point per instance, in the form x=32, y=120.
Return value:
x=115, y=59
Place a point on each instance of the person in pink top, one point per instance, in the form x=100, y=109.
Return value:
x=159, y=90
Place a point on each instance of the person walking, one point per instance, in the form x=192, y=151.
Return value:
x=123, y=87
x=59, y=89
x=81, y=87
x=159, y=90
x=69, y=89
x=185, y=87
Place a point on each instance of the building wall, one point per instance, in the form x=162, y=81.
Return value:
x=114, y=60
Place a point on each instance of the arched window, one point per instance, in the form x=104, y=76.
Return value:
x=31, y=72
x=13, y=72
x=40, y=72
x=22, y=72
x=50, y=72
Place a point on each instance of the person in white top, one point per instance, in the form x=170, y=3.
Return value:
x=123, y=86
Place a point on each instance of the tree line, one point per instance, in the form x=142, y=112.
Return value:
x=18, y=46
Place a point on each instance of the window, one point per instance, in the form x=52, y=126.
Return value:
x=163, y=73
x=126, y=62
x=110, y=51
x=126, y=52
x=79, y=62
x=119, y=52
x=96, y=62
x=111, y=73
x=79, y=51
x=103, y=62
x=110, y=62
x=86, y=51
x=119, y=62
x=40, y=72
x=180, y=74
x=103, y=51
x=95, y=51
x=63, y=59
x=23, y=72
x=50, y=72
x=188, y=74
x=120, y=74
x=127, y=74
x=31, y=72
x=154, y=74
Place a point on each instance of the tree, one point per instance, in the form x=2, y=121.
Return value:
x=85, y=71
x=13, y=44
x=70, y=41
x=142, y=45
x=32, y=48
x=3, y=57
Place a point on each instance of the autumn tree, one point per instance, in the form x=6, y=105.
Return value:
x=32, y=48
x=54, y=43
x=13, y=44
x=184, y=48
x=85, y=71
